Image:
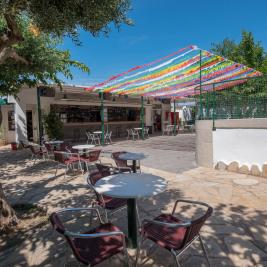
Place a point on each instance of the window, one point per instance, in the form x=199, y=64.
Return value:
x=123, y=114
x=70, y=114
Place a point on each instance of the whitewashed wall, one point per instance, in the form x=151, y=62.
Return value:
x=246, y=146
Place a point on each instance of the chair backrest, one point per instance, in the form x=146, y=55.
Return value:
x=49, y=147
x=193, y=230
x=60, y=156
x=119, y=162
x=98, y=173
x=94, y=155
x=73, y=242
x=24, y=144
x=64, y=147
x=88, y=134
x=34, y=149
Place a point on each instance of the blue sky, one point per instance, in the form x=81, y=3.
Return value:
x=162, y=27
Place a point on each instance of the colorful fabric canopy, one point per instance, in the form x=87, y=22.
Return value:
x=177, y=75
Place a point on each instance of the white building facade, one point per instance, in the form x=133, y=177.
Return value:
x=79, y=111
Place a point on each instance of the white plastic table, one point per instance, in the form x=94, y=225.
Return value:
x=55, y=142
x=83, y=147
x=131, y=186
x=97, y=132
x=132, y=156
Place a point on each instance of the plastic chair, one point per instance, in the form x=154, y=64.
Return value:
x=95, y=245
x=174, y=234
x=108, y=137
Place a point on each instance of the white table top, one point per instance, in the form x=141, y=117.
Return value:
x=132, y=156
x=131, y=185
x=97, y=132
x=138, y=128
x=83, y=147
x=54, y=142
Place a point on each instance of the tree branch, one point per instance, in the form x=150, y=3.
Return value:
x=8, y=52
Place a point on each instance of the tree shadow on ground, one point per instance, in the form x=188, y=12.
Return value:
x=235, y=235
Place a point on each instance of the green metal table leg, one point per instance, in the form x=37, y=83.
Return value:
x=134, y=166
x=132, y=223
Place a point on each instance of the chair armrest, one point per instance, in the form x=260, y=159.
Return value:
x=95, y=235
x=83, y=209
x=170, y=225
x=190, y=202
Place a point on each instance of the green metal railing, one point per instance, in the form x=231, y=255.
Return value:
x=247, y=100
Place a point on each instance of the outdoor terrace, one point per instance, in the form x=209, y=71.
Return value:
x=235, y=234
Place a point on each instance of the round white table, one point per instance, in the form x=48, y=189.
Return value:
x=83, y=147
x=132, y=156
x=131, y=186
x=55, y=142
x=138, y=129
x=97, y=132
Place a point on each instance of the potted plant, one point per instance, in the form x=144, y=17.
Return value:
x=53, y=125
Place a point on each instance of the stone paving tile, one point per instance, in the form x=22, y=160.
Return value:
x=236, y=234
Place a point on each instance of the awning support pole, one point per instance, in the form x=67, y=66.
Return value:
x=213, y=107
x=200, y=82
x=39, y=112
x=174, y=117
x=142, y=117
x=102, y=119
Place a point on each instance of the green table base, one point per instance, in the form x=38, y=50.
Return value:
x=132, y=223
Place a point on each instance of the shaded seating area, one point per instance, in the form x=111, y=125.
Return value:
x=109, y=204
x=176, y=235
x=94, y=245
x=121, y=164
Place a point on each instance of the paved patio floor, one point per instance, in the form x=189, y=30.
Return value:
x=236, y=234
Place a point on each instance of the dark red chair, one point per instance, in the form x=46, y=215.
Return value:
x=95, y=245
x=174, y=234
x=109, y=204
x=38, y=152
x=67, y=160
x=122, y=164
x=91, y=157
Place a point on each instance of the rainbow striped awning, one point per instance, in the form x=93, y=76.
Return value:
x=177, y=75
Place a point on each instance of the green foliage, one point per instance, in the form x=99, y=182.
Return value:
x=53, y=125
x=66, y=17
x=31, y=30
x=250, y=53
x=46, y=61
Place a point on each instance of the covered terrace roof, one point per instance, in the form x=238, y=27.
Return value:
x=177, y=75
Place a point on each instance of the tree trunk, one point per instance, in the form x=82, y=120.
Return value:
x=7, y=214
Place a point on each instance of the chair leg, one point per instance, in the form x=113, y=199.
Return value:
x=175, y=258
x=125, y=254
x=56, y=170
x=138, y=250
x=204, y=251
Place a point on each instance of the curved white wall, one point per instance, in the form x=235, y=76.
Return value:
x=247, y=146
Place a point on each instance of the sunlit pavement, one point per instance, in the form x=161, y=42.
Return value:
x=236, y=234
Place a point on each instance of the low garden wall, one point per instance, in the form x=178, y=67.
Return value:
x=236, y=145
